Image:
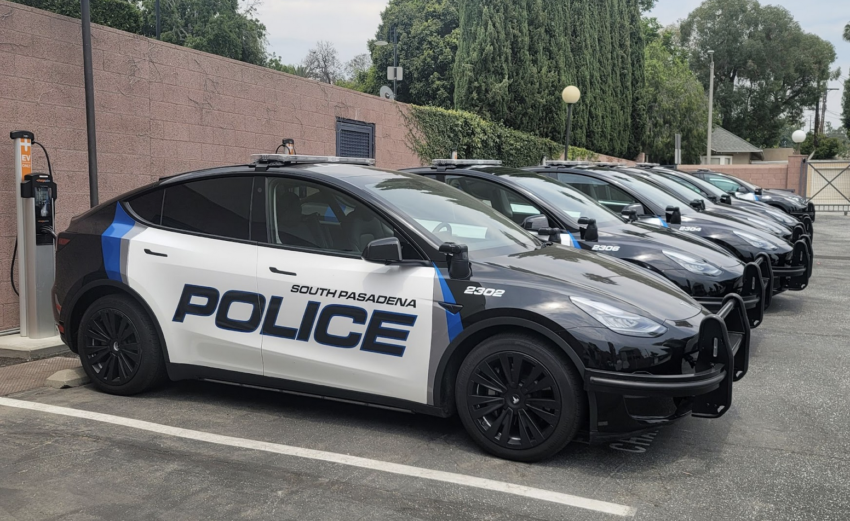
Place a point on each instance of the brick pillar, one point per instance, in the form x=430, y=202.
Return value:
x=793, y=178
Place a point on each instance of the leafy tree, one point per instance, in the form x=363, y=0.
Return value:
x=214, y=26
x=322, y=63
x=676, y=103
x=847, y=32
x=427, y=42
x=119, y=14
x=845, y=106
x=768, y=71
x=296, y=70
x=827, y=147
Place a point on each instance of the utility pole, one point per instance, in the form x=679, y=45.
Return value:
x=157, y=20
x=85, y=12
x=710, y=108
x=395, y=62
x=823, y=118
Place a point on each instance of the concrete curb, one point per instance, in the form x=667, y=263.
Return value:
x=68, y=378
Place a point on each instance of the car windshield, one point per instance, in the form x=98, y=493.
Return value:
x=446, y=214
x=565, y=198
x=651, y=192
x=689, y=181
x=682, y=192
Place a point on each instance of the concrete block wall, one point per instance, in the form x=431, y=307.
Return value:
x=783, y=176
x=161, y=110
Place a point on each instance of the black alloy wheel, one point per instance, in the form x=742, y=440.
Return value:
x=119, y=346
x=514, y=400
x=112, y=346
x=520, y=397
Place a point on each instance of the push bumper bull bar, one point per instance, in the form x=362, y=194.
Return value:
x=799, y=269
x=756, y=291
x=723, y=358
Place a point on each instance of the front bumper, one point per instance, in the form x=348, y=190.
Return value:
x=756, y=291
x=795, y=274
x=623, y=403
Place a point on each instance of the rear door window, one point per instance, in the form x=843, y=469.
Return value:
x=220, y=207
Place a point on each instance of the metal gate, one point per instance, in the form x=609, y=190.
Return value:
x=828, y=185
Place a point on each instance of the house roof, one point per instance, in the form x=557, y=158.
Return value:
x=725, y=142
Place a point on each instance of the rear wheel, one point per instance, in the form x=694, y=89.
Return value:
x=518, y=399
x=119, y=347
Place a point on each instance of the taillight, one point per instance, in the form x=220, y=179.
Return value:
x=63, y=241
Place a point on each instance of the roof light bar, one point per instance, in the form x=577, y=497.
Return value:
x=561, y=162
x=647, y=165
x=298, y=159
x=465, y=162
x=608, y=163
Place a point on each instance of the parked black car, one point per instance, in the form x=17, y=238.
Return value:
x=718, y=196
x=642, y=200
x=786, y=201
x=565, y=215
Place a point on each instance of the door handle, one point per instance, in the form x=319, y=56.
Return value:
x=155, y=254
x=279, y=272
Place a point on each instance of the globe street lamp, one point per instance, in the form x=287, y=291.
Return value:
x=570, y=95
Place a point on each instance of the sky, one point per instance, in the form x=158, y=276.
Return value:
x=294, y=26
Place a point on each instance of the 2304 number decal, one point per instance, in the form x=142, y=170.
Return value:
x=487, y=292
x=600, y=247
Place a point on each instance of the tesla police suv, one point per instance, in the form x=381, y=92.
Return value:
x=331, y=277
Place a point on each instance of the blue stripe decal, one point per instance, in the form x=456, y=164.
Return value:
x=662, y=222
x=757, y=198
x=111, y=242
x=573, y=241
x=453, y=322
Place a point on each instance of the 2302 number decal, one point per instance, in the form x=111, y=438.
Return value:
x=487, y=292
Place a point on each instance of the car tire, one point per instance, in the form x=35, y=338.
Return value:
x=119, y=347
x=498, y=411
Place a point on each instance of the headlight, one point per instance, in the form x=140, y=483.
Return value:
x=618, y=320
x=693, y=265
x=758, y=242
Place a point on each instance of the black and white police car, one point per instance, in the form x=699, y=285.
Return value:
x=563, y=214
x=331, y=277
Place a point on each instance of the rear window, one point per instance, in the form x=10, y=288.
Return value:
x=148, y=206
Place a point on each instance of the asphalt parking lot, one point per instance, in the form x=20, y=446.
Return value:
x=780, y=453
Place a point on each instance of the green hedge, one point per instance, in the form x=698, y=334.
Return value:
x=119, y=14
x=434, y=133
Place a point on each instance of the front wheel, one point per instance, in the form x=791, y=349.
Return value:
x=119, y=347
x=518, y=399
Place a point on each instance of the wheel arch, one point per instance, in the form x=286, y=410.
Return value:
x=89, y=294
x=507, y=321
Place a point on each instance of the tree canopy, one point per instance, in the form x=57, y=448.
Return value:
x=427, y=41
x=768, y=71
x=515, y=56
x=676, y=103
x=120, y=14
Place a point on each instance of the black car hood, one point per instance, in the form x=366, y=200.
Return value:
x=574, y=272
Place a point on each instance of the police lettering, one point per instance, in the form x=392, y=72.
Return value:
x=379, y=336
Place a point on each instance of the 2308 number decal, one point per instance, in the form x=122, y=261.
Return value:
x=487, y=292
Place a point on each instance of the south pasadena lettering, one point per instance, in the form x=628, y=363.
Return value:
x=355, y=296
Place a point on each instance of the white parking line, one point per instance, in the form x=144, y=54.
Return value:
x=342, y=459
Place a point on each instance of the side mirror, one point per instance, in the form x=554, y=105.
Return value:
x=698, y=205
x=590, y=232
x=553, y=233
x=535, y=222
x=384, y=251
x=759, y=191
x=632, y=211
x=674, y=216
x=726, y=199
x=457, y=257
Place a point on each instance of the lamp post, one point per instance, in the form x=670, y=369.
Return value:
x=381, y=43
x=798, y=137
x=710, y=107
x=570, y=95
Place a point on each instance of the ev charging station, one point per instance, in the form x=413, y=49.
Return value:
x=36, y=195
